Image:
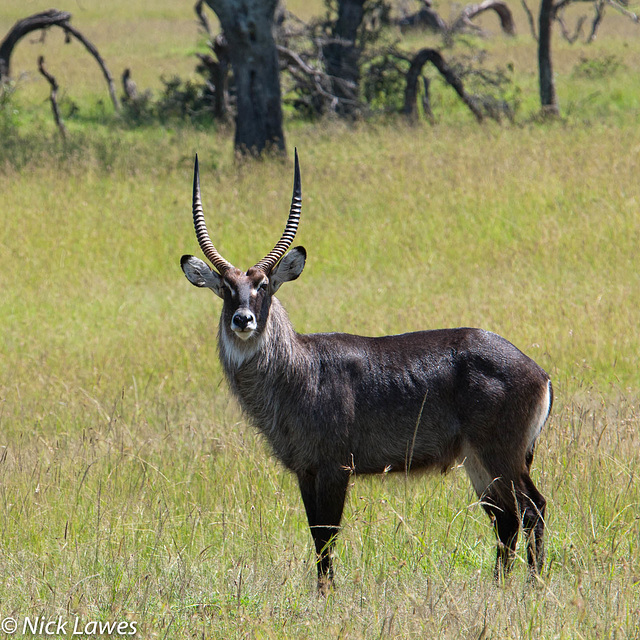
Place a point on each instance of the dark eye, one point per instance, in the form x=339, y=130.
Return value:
x=263, y=286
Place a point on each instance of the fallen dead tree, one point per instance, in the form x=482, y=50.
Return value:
x=451, y=78
x=44, y=21
x=464, y=20
x=427, y=18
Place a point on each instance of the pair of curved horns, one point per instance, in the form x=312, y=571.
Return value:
x=271, y=259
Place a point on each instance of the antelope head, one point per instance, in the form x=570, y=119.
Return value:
x=247, y=295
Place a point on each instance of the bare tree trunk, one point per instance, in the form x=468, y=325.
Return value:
x=548, y=99
x=247, y=27
x=342, y=55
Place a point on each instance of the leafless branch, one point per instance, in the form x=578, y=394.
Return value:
x=565, y=31
x=23, y=27
x=98, y=58
x=599, y=14
x=431, y=55
x=293, y=57
x=530, y=19
x=45, y=20
x=317, y=81
x=621, y=7
x=204, y=21
x=426, y=17
x=53, y=97
x=472, y=10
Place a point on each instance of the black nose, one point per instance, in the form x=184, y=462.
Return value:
x=241, y=320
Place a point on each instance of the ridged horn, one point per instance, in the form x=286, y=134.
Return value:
x=271, y=259
x=201, y=228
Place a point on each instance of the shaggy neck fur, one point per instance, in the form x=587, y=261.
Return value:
x=259, y=369
x=269, y=347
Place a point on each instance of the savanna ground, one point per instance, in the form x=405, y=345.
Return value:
x=132, y=489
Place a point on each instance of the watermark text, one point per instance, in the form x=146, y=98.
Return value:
x=43, y=626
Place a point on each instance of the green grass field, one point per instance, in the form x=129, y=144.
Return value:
x=131, y=488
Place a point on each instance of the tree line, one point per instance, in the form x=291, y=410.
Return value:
x=339, y=63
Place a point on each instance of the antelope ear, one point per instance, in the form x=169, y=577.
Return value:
x=200, y=274
x=289, y=268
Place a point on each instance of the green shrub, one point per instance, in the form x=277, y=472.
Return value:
x=598, y=68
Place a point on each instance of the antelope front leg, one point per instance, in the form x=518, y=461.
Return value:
x=323, y=495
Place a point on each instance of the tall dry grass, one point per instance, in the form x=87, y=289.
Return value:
x=132, y=488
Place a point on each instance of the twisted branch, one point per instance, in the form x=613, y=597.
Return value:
x=53, y=97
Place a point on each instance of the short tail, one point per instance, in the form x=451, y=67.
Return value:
x=540, y=418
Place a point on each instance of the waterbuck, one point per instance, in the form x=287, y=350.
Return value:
x=334, y=404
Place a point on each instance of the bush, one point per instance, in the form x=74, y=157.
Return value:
x=8, y=111
x=597, y=68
